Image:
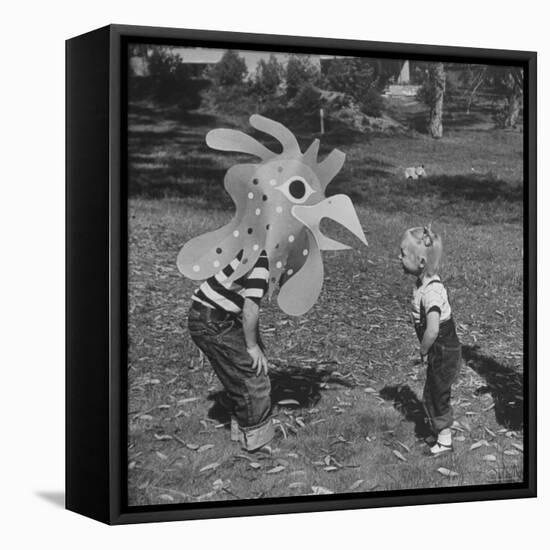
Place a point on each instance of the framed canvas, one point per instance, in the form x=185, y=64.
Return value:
x=301, y=274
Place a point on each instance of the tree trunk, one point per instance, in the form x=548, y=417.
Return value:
x=512, y=110
x=435, y=125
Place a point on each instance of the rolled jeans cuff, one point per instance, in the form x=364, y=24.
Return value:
x=254, y=437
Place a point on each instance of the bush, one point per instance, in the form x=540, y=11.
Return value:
x=307, y=101
x=356, y=77
x=168, y=81
x=269, y=77
x=229, y=71
x=300, y=71
x=236, y=100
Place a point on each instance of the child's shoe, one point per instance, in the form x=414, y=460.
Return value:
x=444, y=443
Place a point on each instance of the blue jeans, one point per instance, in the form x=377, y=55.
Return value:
x=220, y=336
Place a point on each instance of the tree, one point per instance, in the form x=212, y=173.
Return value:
x=356, y=77
x=268, y=77
x=170, y=80
x=432, y=94
x=230, y=70
x=508, y=82
x=472, y=79
x=299, y=72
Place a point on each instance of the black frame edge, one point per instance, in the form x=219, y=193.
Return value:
x=87, y=200
x=530, y=282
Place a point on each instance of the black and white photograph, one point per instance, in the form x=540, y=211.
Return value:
x=326, y=274
x=275, y=275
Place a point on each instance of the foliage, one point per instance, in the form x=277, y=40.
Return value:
x=229, y=71
x=357, y=78
x=299, y=72
x=230, y=93
x=169, y=81
x=507, y=82
x=269, y=77
x=234, y=101
x=307, y=101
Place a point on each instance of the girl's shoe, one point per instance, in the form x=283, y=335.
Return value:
x=440, y=448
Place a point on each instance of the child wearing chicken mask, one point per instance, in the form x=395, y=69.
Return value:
x=440, y=350
x=224, y=323
x=273, y=240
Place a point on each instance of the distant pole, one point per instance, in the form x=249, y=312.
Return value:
x=321, y=116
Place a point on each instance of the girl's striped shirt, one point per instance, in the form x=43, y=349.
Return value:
x=217, y=293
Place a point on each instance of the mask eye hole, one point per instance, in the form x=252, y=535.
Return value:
x=296, y=190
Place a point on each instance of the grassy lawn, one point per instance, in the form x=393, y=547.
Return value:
x=350, y=415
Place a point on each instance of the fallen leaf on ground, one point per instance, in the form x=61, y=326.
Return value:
x=218, y=484
x=255, y=465
x=446, y=472
x=330, y=468
x=276, y=470
x=169, y=498
x=355, y=485
x=188, y=400
x=211, y=466
x=192, y=446
x=162, y=456
x=399, y=455
x=163, y=437
x=512, y=452
x=203, y=448
x=518, y=446
x=490, y=458
x=403, y=445
x=296, y=485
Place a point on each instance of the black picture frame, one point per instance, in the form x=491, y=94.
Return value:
x=96, y=251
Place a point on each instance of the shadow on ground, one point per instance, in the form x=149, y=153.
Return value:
x=478, y=188
x=410, y=406
x=504, y=384
x=56, y=498
x=302, y=385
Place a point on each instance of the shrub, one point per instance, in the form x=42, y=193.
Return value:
x=357, y=78
x=229, y=71
x=269, y=77
x=299, y=72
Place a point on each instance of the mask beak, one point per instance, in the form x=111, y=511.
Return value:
x=338, y=208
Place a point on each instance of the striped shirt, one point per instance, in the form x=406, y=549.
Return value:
x=219, y=293
x=430, y=295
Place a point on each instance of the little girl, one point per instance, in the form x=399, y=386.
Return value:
x=439, y=345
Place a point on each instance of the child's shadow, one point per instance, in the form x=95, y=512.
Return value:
x=407, y=403
x=503, y=383
x=300, y=384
